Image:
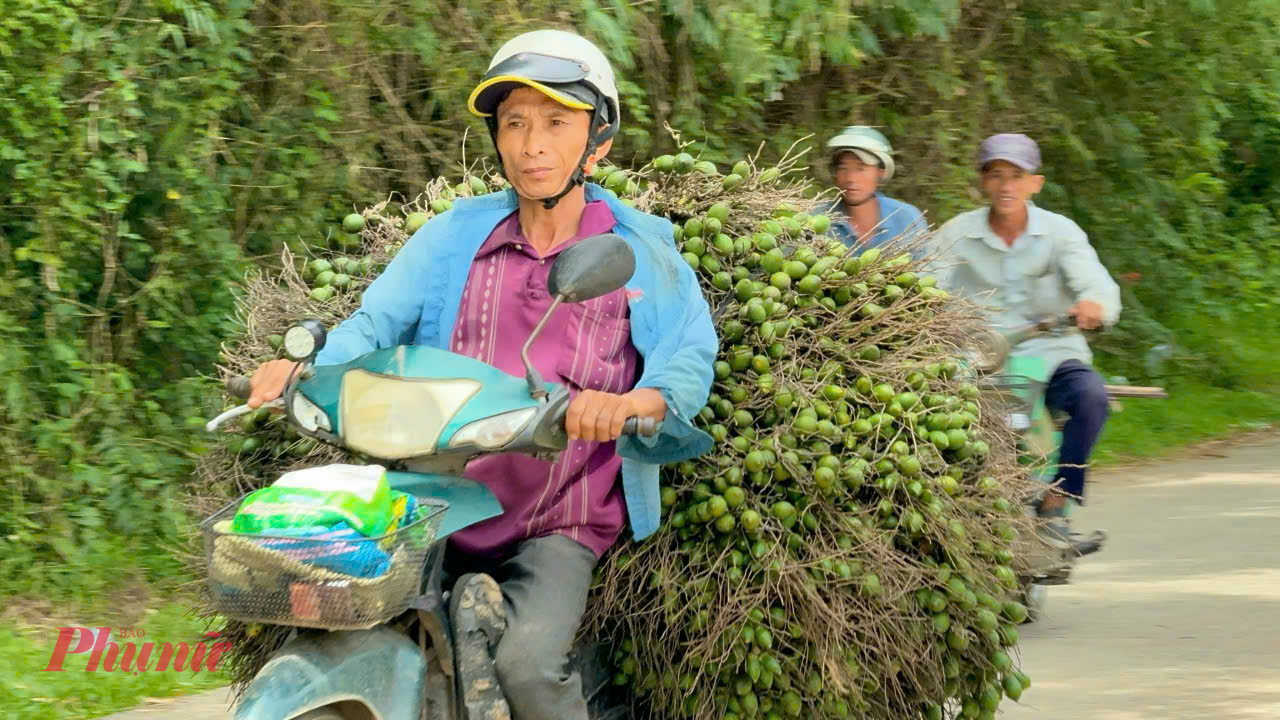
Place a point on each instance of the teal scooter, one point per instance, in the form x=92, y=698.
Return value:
x=1017, y=384
x=422, y=413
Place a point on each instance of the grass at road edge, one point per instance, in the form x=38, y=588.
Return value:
x=1192, y=413
x=76, y=694
x=1232, y=388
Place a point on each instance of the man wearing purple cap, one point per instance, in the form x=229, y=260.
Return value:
x=1022, y=262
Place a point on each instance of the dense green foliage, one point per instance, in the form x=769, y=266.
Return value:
x=116, y=265
x=150, y=151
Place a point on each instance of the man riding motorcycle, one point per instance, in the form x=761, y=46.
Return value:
x=1021, y=262
x=861, y=159
x=474, y=281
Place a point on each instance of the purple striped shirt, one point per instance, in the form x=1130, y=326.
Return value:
x=584, y=345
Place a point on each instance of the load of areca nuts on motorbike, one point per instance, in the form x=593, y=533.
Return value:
x=846, y=549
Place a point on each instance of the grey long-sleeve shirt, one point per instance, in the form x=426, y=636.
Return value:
x=1048, y=269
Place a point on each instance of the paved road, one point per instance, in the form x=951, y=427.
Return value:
x=1178, y=618
x=211, y=705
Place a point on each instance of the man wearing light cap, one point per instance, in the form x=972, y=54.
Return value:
x=473, y=280
x=861, y=159
x=1022, y=262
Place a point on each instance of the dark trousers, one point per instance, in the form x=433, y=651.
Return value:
x=544, y=586
x=1079, y=391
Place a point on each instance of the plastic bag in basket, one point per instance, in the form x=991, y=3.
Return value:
x=320, y=497
x=341, y=549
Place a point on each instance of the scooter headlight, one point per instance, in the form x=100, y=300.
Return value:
x=394, y=418
x=494, y=432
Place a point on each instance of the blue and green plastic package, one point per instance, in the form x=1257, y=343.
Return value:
x=320, y=497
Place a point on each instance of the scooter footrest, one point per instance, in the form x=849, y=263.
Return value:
x=1056, y=576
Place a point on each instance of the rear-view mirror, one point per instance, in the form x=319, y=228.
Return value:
x=595, y=266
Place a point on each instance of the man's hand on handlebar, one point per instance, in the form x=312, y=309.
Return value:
x=269, y=380
x=597, y=416
x=1088, y=314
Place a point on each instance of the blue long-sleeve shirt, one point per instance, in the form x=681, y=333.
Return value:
x=899, y=222
x=416, y=299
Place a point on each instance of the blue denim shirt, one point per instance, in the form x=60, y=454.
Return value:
x=899, y=222
x=415, y=300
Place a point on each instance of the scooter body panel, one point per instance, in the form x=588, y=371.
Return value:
x=1042, y=437
x=1041, y=442
x=379, y=668
x=499, y=392
x=469, y=501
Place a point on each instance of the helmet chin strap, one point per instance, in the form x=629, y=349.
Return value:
x=577, y=179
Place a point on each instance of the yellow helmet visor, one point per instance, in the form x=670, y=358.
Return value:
x=544, y=73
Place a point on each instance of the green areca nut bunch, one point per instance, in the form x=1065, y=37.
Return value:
x=848, y=547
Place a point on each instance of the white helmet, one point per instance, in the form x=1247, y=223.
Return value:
x=568, y=68
x=867, y=143
x=565, y=67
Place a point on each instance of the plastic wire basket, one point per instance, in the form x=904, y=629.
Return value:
x=279, y=580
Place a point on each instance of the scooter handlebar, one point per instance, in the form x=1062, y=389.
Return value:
x=238, y=386
x=642, y=426
x=1135, y=391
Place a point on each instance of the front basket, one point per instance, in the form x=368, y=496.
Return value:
x=281, y=580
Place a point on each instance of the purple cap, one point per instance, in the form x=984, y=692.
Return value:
x=1010, y=147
